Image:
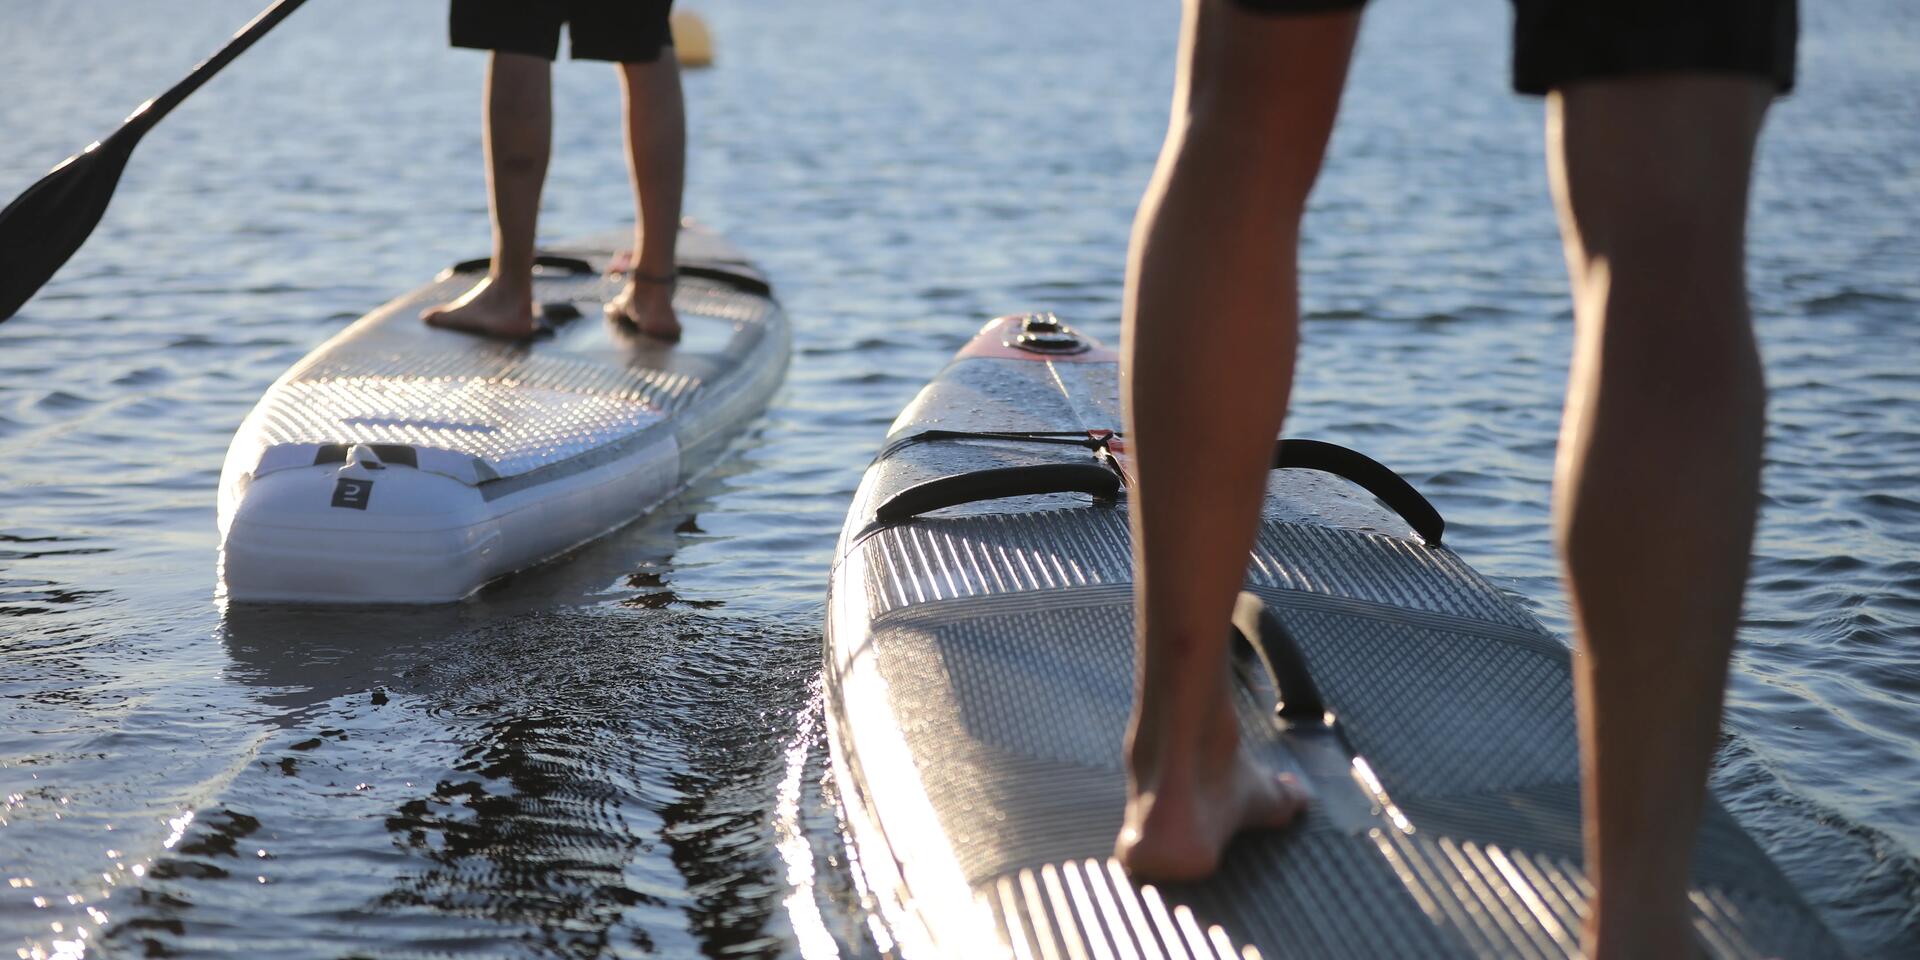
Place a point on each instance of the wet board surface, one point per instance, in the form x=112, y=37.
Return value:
x=979, y=666
x=493, y=454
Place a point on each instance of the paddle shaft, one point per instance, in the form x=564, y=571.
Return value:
x=152, y=111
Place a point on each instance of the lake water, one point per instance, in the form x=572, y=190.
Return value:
x=623, y=754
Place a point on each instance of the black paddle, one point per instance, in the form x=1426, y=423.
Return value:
x=43, y=227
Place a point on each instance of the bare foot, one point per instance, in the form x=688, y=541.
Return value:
x=1182, y=813
x=646, y=305
x=491, y=309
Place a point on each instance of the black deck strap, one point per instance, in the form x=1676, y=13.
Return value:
x=550, y=318
x=569, y=264
x=996, y=483
x=1069, y=438
x=558, y=312
x=1286, y=665
x=741, y=278
x=1370, y=474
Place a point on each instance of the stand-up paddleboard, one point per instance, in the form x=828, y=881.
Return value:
x=980, y=669
x=401, y=463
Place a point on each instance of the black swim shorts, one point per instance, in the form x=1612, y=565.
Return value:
x=622, y=31
x=1557, y=42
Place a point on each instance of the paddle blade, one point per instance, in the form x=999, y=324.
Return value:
x=41, y=229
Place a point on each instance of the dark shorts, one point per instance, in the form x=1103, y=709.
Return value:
x=1557, y=42
x=622, y=31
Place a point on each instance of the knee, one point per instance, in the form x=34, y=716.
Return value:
x=1666, y=375
x=1267, y=177
x=1667, y=304
x=1269, y=152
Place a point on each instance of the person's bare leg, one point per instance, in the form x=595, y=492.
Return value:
x=1211, y=321
x=657, y=158
x=1659, y=467
x=519, y=136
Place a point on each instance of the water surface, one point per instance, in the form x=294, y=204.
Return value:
x=622, y=754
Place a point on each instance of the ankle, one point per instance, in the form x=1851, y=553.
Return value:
x=510, y=283
x=666, y=277
x=1183, y=742
x=651, y=287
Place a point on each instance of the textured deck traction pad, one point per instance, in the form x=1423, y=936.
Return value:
x=511, y=409
x=1013, y=692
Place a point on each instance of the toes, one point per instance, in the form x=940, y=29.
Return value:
x=440, y=316
x=621, y=308
x=1286, y=799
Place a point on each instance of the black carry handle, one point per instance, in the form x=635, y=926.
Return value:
x=996, y=483
x=573, y=265
x=1372, y=476
x=1286, y=665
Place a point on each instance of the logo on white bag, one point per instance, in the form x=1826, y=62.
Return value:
x=352, y=493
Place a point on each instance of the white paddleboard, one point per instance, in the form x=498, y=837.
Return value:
x=400, y=463
x=980, y=667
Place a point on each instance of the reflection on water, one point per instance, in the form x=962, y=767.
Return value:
x=620, y=754
x=583, y=782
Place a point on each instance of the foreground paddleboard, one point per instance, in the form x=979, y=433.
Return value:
x=980, y=668
x=400, y=463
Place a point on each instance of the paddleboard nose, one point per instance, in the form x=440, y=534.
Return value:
x=1044, y=333
x=398, y=464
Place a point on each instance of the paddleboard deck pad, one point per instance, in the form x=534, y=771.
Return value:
x=979, y=666
x=402, y=463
